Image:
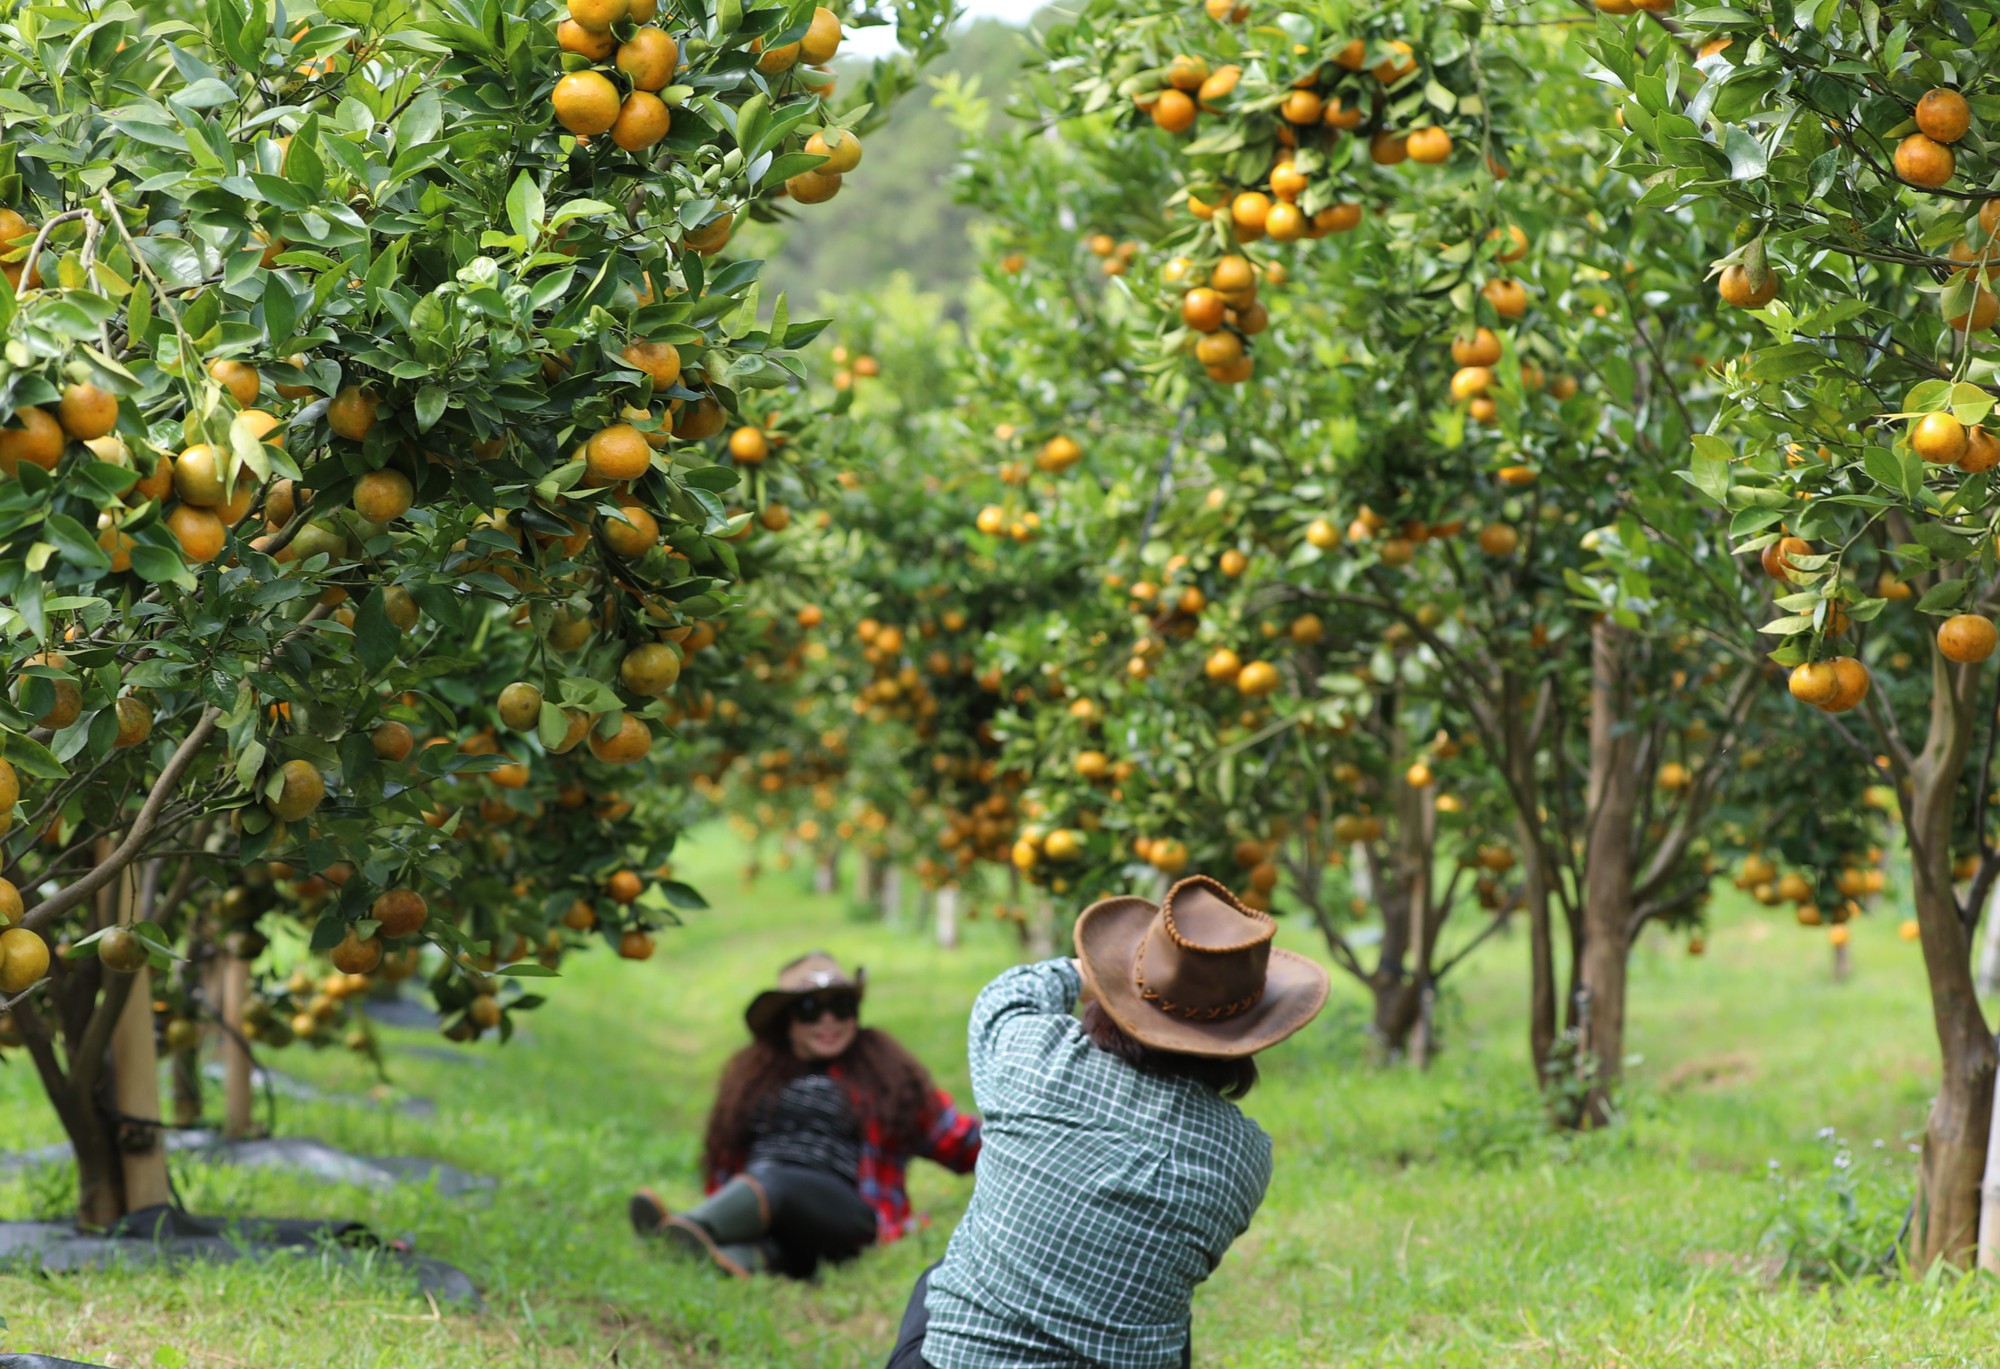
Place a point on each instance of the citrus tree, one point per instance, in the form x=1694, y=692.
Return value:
x=1851, y=451
x=360, y=358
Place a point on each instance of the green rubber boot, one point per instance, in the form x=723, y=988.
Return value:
x=724, y=1230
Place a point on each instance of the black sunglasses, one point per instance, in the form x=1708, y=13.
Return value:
x=810, y=1009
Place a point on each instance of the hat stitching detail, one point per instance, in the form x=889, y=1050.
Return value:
x=1266, y=923
x=1187, y=1012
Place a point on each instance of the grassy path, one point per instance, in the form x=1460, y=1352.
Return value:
x=1413, y=1221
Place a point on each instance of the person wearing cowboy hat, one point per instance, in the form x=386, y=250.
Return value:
x=1117, y=1169
x=814, y=1124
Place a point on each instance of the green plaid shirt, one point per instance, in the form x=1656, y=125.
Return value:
x=1103, y=1195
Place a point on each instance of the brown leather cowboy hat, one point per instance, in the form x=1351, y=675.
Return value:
x=1196, y=974
x=817, y=973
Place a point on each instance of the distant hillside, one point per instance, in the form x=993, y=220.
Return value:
x=896, y=212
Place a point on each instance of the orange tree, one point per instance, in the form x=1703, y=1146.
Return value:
x=1469, y=451
x=1851, y=450
x=350, y=367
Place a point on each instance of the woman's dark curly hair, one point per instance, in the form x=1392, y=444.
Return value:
x=886, y=1082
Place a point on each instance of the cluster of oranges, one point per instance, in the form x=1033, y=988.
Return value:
x=1760, y=877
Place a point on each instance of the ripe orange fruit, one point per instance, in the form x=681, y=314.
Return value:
x=1202, y=309
x=1923, y=161
x=1174, y=111
x=642, y=121
x=1777, y=558
x=1399, y=64
x=1470, y=381
x=24, y=960
x=813, y=187
x=1249, y=211
x=1429, y=146
x=748, y=446
x=772, y=61
x=240, y=380
x=1479, y=348
x=590, y=44
x=1815, y=683
x=648, y=58
x=699, y=420
x=632, y=740
x=1978, y=315
x=635, y=945
x=1939, y=439
x=822, y=38
x=351, y=414
x=618, y=454
x=631, y=532
x=35, y=437
x=392, y=741
x=1287, y=181
x=198, y=476
x=87, y=411
x=383, y=496
x=841, y=156
x=1388, y=149
x=1185, y=72
x=199, y=531
x=402, y=912
x=1508, y=297
x=1982, y=451
x=1285, y=222
x=135, y=721
x=623, y=886
x=1735, y=289
x=1516, y=240
x=650, y=669
x=1853, y=684
x=1218, y=349
x=712, y=236
x=599, y=15
x=301, y=789
x=659, y=361
x=1256, y=679
x=1498, y=539
x=1340, y=115
x=1967, y=637
x=1302, y=107
x=586, y=103
x=1221, y=83
x=1943, y=115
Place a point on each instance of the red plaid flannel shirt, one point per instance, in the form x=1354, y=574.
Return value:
x=951, y=1139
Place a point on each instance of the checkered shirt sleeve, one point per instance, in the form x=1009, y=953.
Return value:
x=1102, y=1197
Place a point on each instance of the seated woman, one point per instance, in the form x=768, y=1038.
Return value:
x=814, y=1123
x=1117, y=1169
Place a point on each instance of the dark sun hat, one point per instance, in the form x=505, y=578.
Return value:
x=817, y=973
x=1196, y=974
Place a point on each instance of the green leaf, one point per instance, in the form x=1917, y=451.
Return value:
x=1944, y=597
x=30, y=757
x=1747, y=160
x=524, y=208
x=375, y=637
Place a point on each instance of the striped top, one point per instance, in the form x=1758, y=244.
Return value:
x=809, y=1122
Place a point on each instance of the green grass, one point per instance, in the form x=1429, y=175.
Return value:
x=1413, y=1220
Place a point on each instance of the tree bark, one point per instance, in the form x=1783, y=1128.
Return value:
x=1954, y=1155
x=826, y=875
x=1612, y=804
x=135, y=1078
x=890, y=895
x=238, y=1101
x=947, y=917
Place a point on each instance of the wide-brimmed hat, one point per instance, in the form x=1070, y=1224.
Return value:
x=1196, y=974
x=817, y=973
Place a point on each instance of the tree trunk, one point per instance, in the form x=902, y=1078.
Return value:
x=1954, y=1156
x=826, y=875
x=1397, y=1004
x=1423, y=1037
x=1042, y=929
x=1611, y=805
x=1841, y=965
x=1989, y=1201
x=947, y=917
x=135, y=1076
x=237, y=1098
x=890, y=895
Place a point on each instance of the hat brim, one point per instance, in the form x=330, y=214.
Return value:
x=768, y=1007
x=1108, y=934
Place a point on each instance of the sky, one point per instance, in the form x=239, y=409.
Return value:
x=873, y=42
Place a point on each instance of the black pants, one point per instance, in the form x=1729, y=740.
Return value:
x=814, y=1216
x=909, y=1351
